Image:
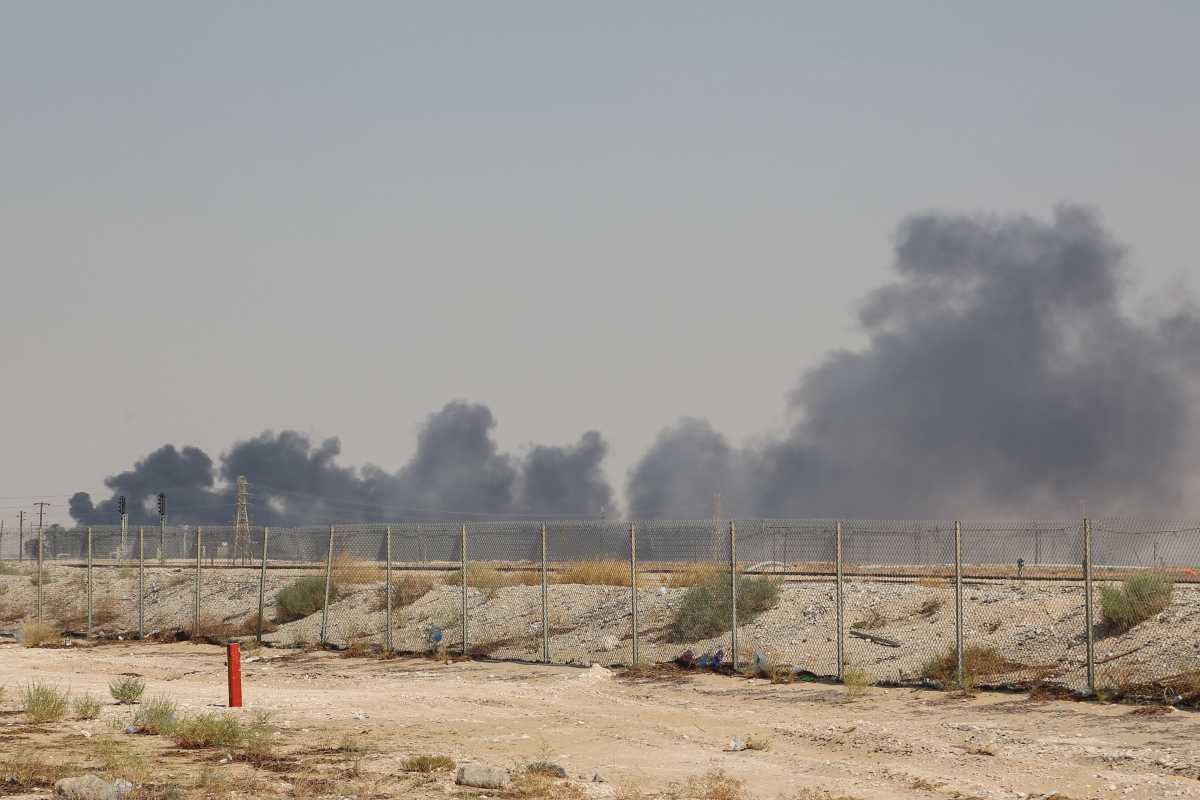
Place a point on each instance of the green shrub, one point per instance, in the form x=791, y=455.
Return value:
x=405, y=591
x=1138, y=598
x=303, y=597
x=42, y=702
x=705, y=610
x=157, y=716
x=127, y=689
x=86, y=706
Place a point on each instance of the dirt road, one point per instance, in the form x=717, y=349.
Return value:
x=615, y=735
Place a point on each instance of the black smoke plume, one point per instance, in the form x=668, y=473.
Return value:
x=1003, y=376
x=457, y=471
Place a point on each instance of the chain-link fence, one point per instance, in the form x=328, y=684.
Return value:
x=1106, y=606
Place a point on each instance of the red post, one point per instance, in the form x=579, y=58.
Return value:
x=234, y=659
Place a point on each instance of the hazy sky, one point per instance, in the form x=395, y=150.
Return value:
x=221, y=218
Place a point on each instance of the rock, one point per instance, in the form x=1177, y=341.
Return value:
x=736, y=746
x=481, y=776
x=86, y=787
x=610, y=643
x=123, y=787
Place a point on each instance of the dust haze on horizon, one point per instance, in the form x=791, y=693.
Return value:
x=1003, y=377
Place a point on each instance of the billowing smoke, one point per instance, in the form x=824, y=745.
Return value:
x=456, y=471
x=1002, y=376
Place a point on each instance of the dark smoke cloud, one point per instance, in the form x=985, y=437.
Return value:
x=457, y=470
x=1002, y=376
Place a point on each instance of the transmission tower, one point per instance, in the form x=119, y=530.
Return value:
x=241, y=523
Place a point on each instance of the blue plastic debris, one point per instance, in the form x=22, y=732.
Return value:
x=435, y=635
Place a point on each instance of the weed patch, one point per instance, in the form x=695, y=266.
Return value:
x=978, y=661
x=857, y=681
x=41, y=702
x=40, y=634
x=427, y=763
x=1136, y=599
x=595, y=573
x=85, y=706
x=705, y=609
x=303, y=597
x=127, y=689
x=406, y=590
x=157, y=716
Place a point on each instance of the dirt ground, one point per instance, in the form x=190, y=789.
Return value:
x=616, y=736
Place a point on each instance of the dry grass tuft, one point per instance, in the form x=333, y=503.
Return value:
x=119, y=761
x=594, y=573
x=347, y=571
x=483, y=577
x=85, y=706
x=931, y=582
x=538, y=786
x=978, y=661
x=40, y=634
x=207, y=729
x=691, y=575
x=857, y=682
x=26, y=770
x=712, y=785
x=157, y=716
x=126, y=689
x=427, y=763
x=406, y=590
x=41, y=702
x=782, y=673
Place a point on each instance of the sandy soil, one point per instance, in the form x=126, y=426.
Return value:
x=614, y=735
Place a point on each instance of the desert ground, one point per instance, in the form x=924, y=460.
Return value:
x=617, y=735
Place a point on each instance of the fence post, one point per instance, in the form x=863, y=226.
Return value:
x=328, y=582
x=141, y=598
x=545, y=605
x=196, y=615
x=89, y=583
x=633, y=598
x=958, y=602
x=1087, y=606
x=733, y=617
x=262, y=581
x=464, y=589
x=840, y=603
x=387, y=577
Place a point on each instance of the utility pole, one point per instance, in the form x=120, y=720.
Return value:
x=21, y=540
x=241, y=522
x=162, y=527
x=1, y=540
x=123, y=510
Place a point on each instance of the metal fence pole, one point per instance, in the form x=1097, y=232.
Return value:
x=262, y=582
x=733, y=617
x=958, y=602
x=196, y=614
x=633, y=598
x=840, y=603
x=1087, y=606
x=89, y=583
x=545, y=605
x=387, y=577
x=328, y=584
x=141, y=598
x=464, y=589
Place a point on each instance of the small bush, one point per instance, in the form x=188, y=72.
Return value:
x=857, y=681
x=256, y=744
x=127, y=689
x=704, y=610
x=305, y=596
x=42, y=702
x=86, y=706
x=406, y=590
x=712, y=785
x=1138, y=598
x=427, y=763
x=595, y=573
x=978, y=661
x=207, y=729
x=40, y=634
x=157, y=716
x=349, y=743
